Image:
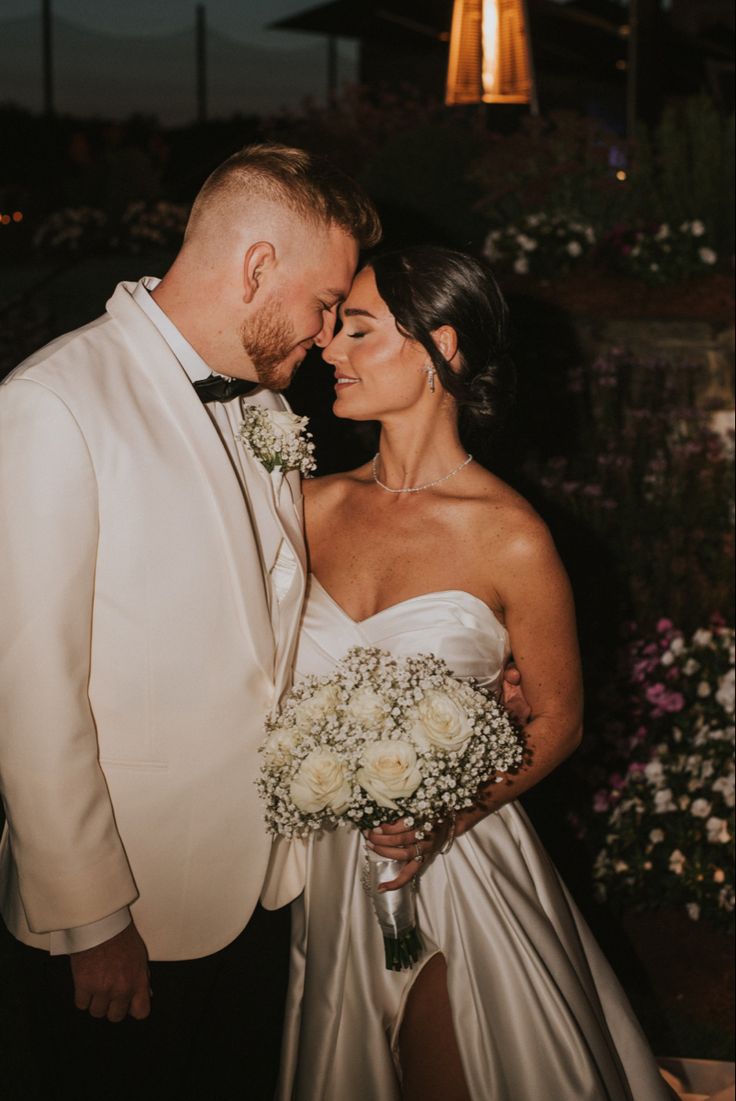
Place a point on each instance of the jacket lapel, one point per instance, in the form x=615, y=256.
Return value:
x=178, y=403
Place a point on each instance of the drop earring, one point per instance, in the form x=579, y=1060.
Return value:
x=431, y=372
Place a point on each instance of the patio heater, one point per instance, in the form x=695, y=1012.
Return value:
x=490, y=54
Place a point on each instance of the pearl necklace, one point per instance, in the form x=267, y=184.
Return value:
x=415, y=489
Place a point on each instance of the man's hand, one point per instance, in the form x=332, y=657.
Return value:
x=112, y=979
x=513, y=695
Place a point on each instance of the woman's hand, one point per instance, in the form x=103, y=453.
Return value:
x=396, y=841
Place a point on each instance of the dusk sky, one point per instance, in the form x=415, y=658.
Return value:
x=278, y=69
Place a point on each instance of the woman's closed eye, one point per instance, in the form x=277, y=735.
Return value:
x=356, y=335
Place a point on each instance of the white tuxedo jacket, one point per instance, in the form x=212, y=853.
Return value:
x=137, y=653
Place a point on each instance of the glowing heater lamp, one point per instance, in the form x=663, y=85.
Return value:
x=490, y=54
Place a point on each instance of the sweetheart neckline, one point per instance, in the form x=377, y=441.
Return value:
x=409, y=600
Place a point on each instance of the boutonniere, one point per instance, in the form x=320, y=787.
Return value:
x=278, y=439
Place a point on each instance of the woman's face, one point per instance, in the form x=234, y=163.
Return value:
x=378, y=371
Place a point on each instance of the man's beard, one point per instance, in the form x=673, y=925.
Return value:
x=268, y=338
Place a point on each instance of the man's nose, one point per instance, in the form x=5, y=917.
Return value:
x=324, y=336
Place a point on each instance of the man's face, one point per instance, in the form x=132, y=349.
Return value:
x=302, y=311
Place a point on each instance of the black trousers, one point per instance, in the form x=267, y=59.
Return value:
x=213, y=1033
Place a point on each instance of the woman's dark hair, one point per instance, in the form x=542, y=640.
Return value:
x=427, y=286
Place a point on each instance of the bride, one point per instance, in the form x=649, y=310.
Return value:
x=422, y=549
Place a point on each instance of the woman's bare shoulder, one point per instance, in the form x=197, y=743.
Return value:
x=505, y=522
x=330, y=488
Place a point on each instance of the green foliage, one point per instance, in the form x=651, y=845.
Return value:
x=684, y=170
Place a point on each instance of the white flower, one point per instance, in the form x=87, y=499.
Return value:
x=663, y=801
x=697, y=228
x=279, y=747
x=707, y=255
x=717, y=829
x=656, y=836
x=693, y=910
x=389, y=772
x=677, y=645
x=440, y=722
x=313, y=708
x=703, y=689
x=278, y=439
x=367, y=708
x=662, y=233
x=521, y=265
x=726, y=694
x=653, y=771
x=321, y=784
x=527, y=243
x=677, y=862
x=667, y=658
x=701, y=808
x=574, y=248
x=691, y=666
x=724, y=785
x=702, y=637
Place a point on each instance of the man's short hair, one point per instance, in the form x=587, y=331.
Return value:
x=304, y=182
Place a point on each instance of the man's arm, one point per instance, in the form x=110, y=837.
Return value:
x=72, y=869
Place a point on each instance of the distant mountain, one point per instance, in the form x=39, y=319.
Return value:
x=103, y=74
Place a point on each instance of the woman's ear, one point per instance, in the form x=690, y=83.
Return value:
x=258, y=261
x=446, y=340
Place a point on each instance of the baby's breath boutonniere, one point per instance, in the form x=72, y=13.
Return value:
x=278, y=439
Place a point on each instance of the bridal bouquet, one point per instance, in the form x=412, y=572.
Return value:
x=378, y=739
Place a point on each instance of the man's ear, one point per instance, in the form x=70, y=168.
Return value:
x=446, y=340
x=257, y=262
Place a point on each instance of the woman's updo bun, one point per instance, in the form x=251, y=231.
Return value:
x=427, y=286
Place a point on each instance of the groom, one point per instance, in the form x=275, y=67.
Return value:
x=153, y=573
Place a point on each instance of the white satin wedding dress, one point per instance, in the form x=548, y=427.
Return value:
x=538, y=1013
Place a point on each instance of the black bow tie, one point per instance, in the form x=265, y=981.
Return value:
x=218, y=388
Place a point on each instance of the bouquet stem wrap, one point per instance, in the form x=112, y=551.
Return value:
x=395, y=910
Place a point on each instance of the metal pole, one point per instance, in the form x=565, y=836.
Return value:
x=201, y=48
x=331, y=69
x=632, y=78
x=48, y=67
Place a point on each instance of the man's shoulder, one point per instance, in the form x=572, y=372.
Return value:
x=48, y=363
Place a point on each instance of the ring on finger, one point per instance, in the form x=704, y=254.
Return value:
x=418, y=854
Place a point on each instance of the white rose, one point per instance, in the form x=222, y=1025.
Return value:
x=677, y=862
x=718, y=831
x=726, y=694
x=703, y=689
x=367, y=708
x=707, y=255
x=697, y=228
x=521, y=265
x=693, y=910
x=663, y=801
x=691, y=666
x=701, y=808
x=654, y=772
x=321, y=784
x=279, y=747
x=677, y=645
x=313, y=708
x=656, y=836
x=725, y=786
x=702, y=637
x=440, y=722
x=667, y=658
x=574, y=248
x=389, y=771
x=286, y=423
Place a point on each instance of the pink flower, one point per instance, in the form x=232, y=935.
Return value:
x=616, y=781
x=664, y=700
x=664, y=625
x=601, y=801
